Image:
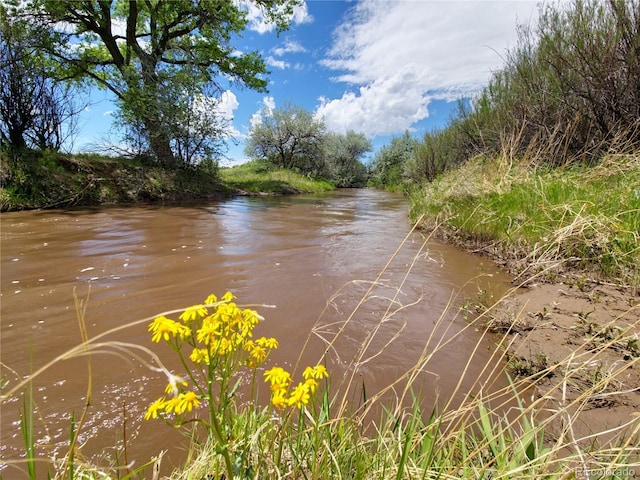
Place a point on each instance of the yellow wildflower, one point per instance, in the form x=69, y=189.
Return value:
x=251, y=316
x=300, y=396
x=318, y=372
x=172, y=386
x=200, y=355
x=225, y=314
x=193, y=312
x=278, y=377
x=278, y=400
x=171, y=405
x=186, y=402
x=312, y=384
x=224, y=346
x=154, y=408
x=182, y=331
x=270, y=343
x=163, y=327
x=257, y=355
x=209, y=330
x=211, y=299
x=228, y=296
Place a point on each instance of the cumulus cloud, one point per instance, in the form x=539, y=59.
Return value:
x=275, y=63
x=258, y=22
x=401, y=55
x=383, y=107
x=222, y=108
x=267, y=106
x=227, y=105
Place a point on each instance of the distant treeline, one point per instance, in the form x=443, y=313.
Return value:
x=568, y=92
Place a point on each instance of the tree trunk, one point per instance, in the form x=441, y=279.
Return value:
x=162, y=150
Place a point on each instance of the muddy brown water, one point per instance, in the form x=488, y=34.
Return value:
x=313, y=257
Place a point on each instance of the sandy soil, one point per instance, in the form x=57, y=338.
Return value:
x=581, y=340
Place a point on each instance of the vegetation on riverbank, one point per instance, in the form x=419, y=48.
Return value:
x=584, y=219
x=53, y=180
x=259, y=177
x=542, y=166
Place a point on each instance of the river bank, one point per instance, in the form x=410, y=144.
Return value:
x=570, y=239
x=51, y=180
x=577, y=343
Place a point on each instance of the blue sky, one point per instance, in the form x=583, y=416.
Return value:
x=373, y=66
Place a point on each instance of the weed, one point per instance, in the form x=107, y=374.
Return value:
x=529, y=367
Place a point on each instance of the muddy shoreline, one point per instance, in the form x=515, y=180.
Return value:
x=578, y=342
x=575, y=338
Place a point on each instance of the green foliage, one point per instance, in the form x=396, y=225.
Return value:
x=569, y=92
x=35, y=111
x=438, y=151
x=288, y=137
x=292, y=138
x=581, y=217
x=50, y=179
x=187, y=45
x=390, y=161
x=258, y=177
x=342, y=154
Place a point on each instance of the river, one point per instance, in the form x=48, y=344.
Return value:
x=312, y=257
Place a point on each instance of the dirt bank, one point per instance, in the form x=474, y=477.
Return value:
x=580, y=342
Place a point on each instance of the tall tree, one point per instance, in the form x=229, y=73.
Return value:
x=343, y=153
x=289, y=137
x=149, y=53
x=35, y=111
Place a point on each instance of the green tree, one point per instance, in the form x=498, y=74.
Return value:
x=572, y=84
x=149, y=54
x=289, y=137
x=35, y=111
x=342, y=154
x=390, y=161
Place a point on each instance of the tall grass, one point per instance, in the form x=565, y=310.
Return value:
x=258, y=177
x=580, y=217
x=493, y=432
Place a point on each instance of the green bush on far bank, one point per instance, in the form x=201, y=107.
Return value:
x=257, y=177
x=50, y=179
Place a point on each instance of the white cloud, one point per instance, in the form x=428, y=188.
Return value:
x=219, y=109
x=290, y=46
x=267, y=106
x=403, y=54
x=383, y=107
x=258, y=22
x=275, y=63
x=227, y=104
